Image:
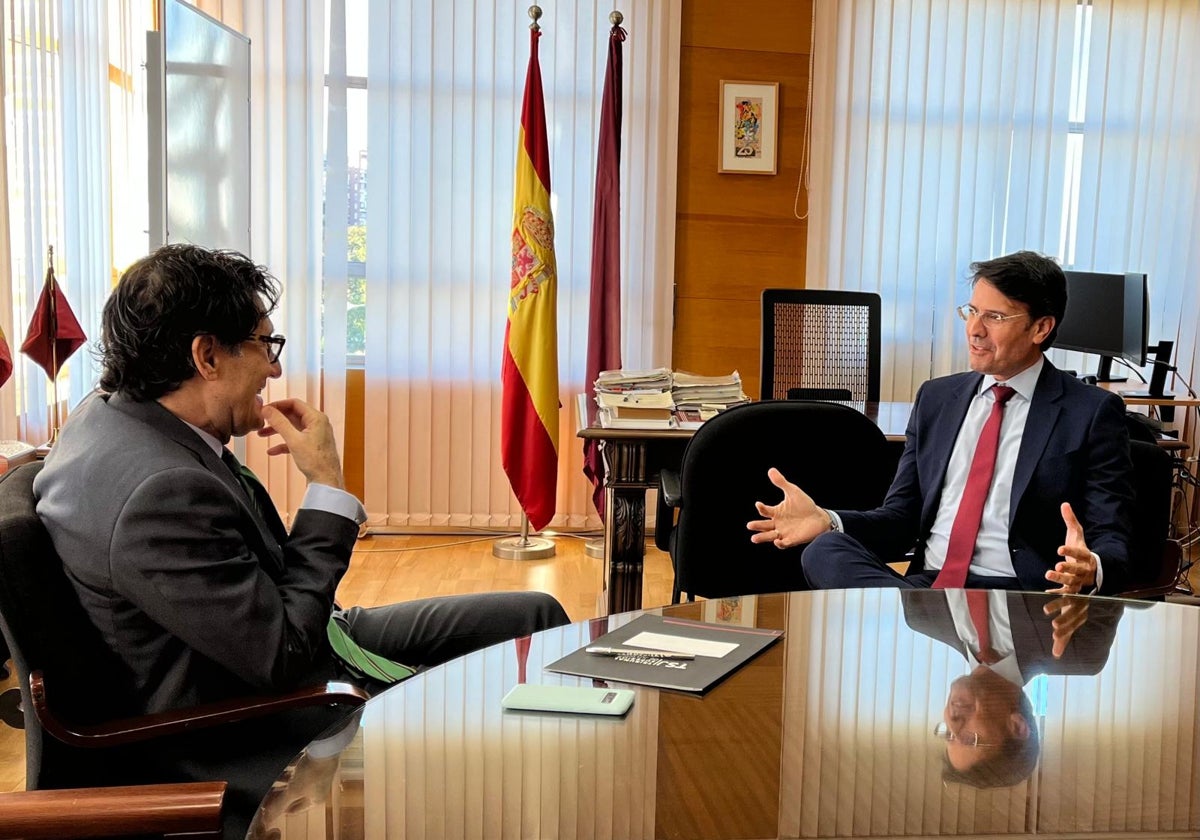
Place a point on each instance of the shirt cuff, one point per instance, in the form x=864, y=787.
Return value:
x=1099, y=572
x=332, y=500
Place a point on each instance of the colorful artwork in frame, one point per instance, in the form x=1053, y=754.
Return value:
x=736, y=609
x=749, y=127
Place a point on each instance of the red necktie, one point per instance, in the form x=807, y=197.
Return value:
x=970, y=510
x=977, y=603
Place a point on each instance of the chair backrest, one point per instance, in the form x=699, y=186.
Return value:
x=833, y=452
x=820, y=338
x=47, y=630
x=1151, y=565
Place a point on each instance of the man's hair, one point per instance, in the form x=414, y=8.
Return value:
x=1029, y=278
x=1012, y=764
x=166, y=299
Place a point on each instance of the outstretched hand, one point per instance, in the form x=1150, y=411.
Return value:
x=794, y=521
x=1071, y=615
x=307, y=436
x=1077, y=569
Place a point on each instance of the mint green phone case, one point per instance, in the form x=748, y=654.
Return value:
x=567, y=698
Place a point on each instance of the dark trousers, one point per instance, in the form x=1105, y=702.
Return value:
x=431, y=631
x=839, y=561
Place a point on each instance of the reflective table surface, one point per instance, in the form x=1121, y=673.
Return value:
x=828, y=733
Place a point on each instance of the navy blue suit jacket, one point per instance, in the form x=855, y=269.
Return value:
x=1075, y=448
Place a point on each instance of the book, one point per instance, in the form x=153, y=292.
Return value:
x=646, y=419
x=719, y=650
x=13, y=453
x=619, y=402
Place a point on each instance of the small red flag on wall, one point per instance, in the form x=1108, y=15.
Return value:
x=53, y=333
x=5, y=358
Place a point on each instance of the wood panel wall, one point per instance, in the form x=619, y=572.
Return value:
x=736, y=234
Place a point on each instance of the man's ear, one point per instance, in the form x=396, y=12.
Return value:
x=1018, y=726
x=204, y=355
x=1042, y=327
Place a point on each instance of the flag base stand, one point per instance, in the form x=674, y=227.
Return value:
x=594, y=548
x=523, y=547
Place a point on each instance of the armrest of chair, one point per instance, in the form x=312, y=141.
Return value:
x=670, y=494
x=192, y=808
x=1164, y=582
x=132, y=730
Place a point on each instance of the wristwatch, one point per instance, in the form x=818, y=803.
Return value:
x=834, y=525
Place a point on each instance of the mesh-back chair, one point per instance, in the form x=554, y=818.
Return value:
x=836, y=454
x=820, y=339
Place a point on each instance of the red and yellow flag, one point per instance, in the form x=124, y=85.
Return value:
x=529, y=369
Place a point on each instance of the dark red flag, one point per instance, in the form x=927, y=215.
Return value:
x=604, y=314
x=5, y=358
x=53, y=333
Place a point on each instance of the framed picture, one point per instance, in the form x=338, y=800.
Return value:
x=741, y=610
x=749, y=125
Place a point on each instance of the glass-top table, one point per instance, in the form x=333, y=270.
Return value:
x=828, y=733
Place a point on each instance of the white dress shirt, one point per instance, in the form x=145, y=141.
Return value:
x=999, y=628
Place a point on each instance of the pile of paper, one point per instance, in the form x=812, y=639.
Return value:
x=635, y=399
x=697, y=398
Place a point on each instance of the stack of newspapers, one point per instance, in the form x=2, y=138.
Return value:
x=635, y=399
x=697, y=398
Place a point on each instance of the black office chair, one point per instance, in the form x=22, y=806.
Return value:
x=820, y=339
x=1154, y=557
x=836, y=454
x=74, y=690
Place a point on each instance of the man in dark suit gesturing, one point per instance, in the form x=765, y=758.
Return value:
x=178, y=555
x=1014, y=476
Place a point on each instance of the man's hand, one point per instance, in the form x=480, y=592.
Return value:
x=1072, y=614
x=794, y=521
x=308, y=437
x=1077, y=569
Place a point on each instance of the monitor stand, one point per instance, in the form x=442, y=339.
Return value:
x=1104, y=372
x=1158, y=379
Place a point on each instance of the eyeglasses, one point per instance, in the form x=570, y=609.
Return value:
x=274, y=345
x=992, y=319
x=967, y=739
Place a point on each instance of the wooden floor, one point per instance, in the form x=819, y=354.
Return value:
x=389, y=569
x=385, y=570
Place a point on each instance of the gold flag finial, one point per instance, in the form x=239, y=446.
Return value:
x=615, y=18
x=535, y=12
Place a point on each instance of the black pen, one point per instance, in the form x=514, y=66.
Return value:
x=649, y=654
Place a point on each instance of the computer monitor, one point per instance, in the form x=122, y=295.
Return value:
x=1107, y=314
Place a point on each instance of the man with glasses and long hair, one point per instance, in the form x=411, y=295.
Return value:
x=176, y=551
x=1015, y=475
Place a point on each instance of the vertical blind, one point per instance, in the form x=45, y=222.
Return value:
x=948, y=132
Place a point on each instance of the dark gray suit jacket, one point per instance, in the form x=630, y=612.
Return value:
x=188, y=586
x=1075, y=448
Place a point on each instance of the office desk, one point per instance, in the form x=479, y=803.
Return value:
x=633, y=458
x=825, y=734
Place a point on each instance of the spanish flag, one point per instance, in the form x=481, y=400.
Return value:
x=529, y=369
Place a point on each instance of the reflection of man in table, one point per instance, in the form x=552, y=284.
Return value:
x=1007, y=638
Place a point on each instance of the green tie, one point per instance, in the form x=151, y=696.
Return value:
x=360, y=661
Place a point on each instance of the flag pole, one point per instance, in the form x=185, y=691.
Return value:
x=530, y=282
x=54, y=419
x=523, y=547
